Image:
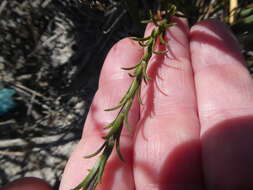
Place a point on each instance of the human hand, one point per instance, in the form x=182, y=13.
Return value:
x=194, y=129
x=200, y=99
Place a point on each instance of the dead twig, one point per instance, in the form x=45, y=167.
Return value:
x=11, y=153
x=46, y=3
x=7, y=122
x=21, y=142
x=2, y=6
x=232, y=11
x=31, y=91
x=45, y=43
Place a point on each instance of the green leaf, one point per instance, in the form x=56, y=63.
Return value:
x=89, y=178
x=160, y=52
x=141, y=44
x=131, y=75
x=116, y=126
x=118, y=150
x=139, y=96
x=140, y=39
x=246, y=12
x=96, y=153
x=114, y=108
x=146, y=21
x=129, y=128
x=167, y=25
x=130, y=68
x=109, y=126
x=101, y=169
x=162, y=41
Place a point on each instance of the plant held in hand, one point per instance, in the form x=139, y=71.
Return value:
x=112, y=139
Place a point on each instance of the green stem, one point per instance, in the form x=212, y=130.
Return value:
x=112, y=138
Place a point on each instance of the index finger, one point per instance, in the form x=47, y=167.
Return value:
x=113, y=83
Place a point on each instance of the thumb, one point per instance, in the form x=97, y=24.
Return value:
x=27, y=183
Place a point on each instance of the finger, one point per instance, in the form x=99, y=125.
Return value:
x=27, y=183
x=224, y=91
x=166, y=150
x=113, y=83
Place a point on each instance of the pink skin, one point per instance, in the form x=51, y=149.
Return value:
x=194, y=130
x=27, y=183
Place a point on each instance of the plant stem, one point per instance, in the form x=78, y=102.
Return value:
x=112, y=138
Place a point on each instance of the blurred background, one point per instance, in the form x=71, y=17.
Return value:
x=51, y=53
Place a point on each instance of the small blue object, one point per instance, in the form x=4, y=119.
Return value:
x=6, y=100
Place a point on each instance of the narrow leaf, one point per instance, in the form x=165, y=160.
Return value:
x=146, y=21
x=142, y=44
x=160, y=52
x=162, y=41
x=101, y=169
x=167, y=25
x=109, y=126
x=128, y=126
x=117, y=124
x=140, y=39
x=139, y=96
x=114, y=108
x=131, y=75
x=118, y=150
x=96, y=153
x=89, y=178
x=130, y=68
